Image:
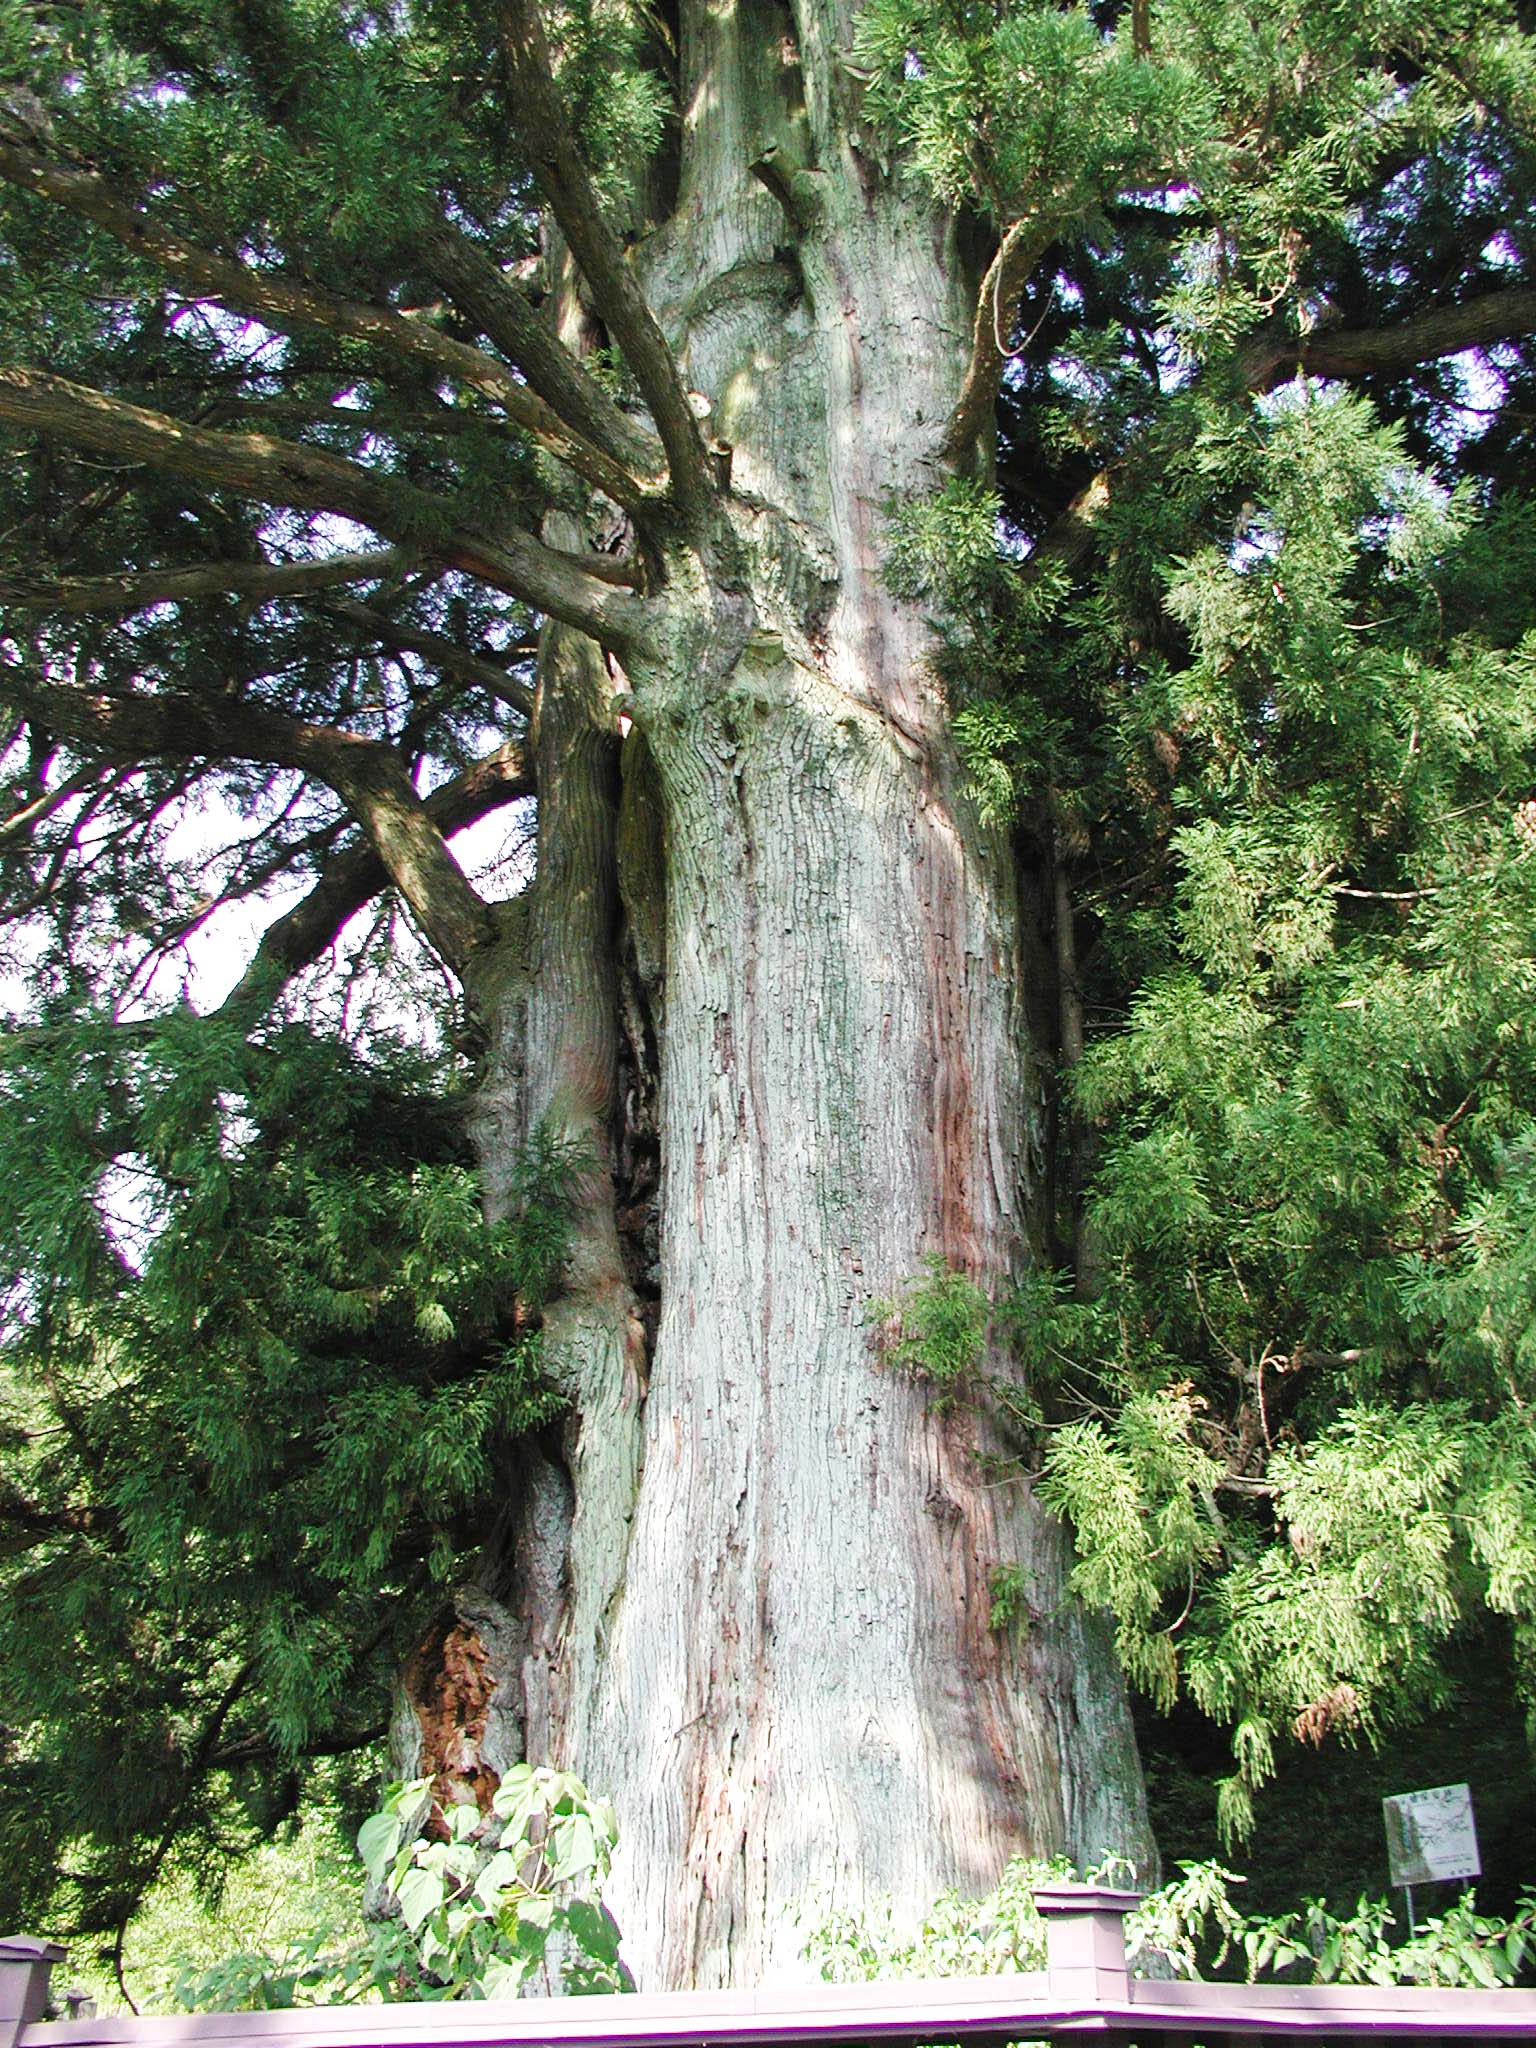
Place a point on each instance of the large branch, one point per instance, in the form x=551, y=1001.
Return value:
x=545, y=133
x=284, y=305
x=1501, y=315
x=136, y=591
x=368, y=775
x=278, y=472
x=997, y=306
x=355, y=876
x=501, y=312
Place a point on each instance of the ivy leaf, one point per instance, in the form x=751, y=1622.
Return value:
x=572, y=1848
x=500, y=1872
x=518, y=1797
x=464, y=1820
x=594, y=1930
x=505, y=1976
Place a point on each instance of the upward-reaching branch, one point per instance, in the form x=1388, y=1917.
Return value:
x=477, y=287
x=278, y=472
x=545, y=134
x=997, y=306
x=284, y=305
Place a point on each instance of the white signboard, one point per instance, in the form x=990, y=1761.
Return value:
x=1430, y=1835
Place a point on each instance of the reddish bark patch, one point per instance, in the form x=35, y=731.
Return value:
x=953, y=1111
x=450, y=1684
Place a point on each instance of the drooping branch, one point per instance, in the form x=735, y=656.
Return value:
x=196, y=1766
x=137, y=591
x=372, y=782
x=1502, y=315
x=282, y=304
x=501, y=312
x=368, y=775
x=278, y=472
x=249, y=1750
x=545, y=133
x=997, y=306
x=355, y=876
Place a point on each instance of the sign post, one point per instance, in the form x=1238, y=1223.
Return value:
x=1430, y=1837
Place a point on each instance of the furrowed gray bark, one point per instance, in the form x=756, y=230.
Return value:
x=595, y=1343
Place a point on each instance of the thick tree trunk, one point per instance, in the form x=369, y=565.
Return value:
x=798, y=1694
x=774, y=1647
x=801, y=1691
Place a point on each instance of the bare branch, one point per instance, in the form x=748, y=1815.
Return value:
x=134, y=592
x=20, y=823
x=1372, y=351
x=545, y=133
x=287, y=473
x=442, y=652
x=282, y=304
x=391, y=424
x=997, y=305
x=572, y=588
x=368, y=776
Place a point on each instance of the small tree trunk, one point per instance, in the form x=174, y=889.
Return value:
x=1071, y=1041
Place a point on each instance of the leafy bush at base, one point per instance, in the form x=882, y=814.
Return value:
x=468, y=1905
x=1193, y=1927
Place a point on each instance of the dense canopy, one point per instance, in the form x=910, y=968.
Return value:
x=1082, y=449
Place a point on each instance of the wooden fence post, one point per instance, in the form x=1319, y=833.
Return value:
x=25, y=1967
x=1085, y=1944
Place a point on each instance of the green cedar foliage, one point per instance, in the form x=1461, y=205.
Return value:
x=262, y=1362
x=1193, y=1926
x=262, y=1368
x=1290, y=1419
x=1272, y=728
x=1313, y=1200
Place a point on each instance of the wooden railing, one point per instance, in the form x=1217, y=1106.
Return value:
x=1085, y=1988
